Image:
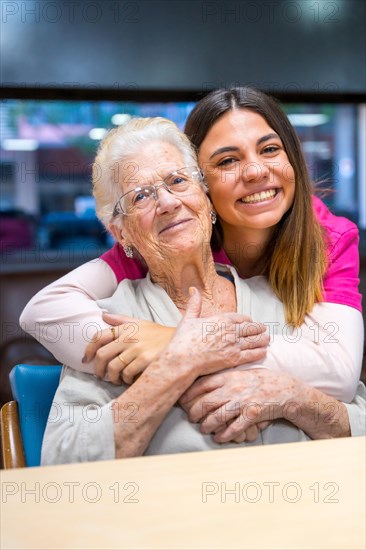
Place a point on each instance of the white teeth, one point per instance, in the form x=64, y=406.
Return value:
x=257, y=197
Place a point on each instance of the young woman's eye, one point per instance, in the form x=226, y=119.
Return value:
x=271, y=149
x=226, y=162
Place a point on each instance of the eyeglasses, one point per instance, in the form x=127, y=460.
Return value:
x=143, y=197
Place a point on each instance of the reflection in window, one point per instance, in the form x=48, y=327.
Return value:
x=47, y=148
x=328, y=135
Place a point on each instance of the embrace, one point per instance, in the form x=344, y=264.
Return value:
x=216, y=375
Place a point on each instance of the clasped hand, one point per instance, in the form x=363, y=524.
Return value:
x=205, y=345
x=234, y=405
x=224, y=340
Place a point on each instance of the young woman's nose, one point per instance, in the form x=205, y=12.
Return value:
x=254, y=170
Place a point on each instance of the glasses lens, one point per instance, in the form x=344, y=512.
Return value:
x=181, y=180
x=142, y=198
x=139, y=198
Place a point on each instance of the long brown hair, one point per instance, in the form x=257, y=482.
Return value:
x=296, y=254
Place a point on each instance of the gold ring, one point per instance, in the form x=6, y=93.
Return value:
x=113, y=330
x=123, y=361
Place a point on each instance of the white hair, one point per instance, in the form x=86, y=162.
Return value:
x=119, y=145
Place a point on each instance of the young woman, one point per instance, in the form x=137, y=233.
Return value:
x=165, y=216
x=270, y=224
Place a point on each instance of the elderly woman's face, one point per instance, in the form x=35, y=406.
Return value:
x=174, y=222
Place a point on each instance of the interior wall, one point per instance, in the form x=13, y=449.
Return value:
x=295, y=46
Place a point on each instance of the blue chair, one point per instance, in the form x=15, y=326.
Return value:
x=33, y=389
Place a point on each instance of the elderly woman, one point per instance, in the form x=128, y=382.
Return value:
x=147, y=186
x=269, y=224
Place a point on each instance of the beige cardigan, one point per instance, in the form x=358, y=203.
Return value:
x=80, y=426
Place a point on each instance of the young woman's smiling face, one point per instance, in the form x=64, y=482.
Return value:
x=250, y=179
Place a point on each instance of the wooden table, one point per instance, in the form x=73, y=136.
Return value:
x=298, y=495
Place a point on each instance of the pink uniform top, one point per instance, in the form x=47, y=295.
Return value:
x=341, y=280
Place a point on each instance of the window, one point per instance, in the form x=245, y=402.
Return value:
x=48, y=146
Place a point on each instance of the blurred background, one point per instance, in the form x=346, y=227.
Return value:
x=72, y=70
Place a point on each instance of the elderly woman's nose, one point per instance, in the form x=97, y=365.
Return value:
x=166, y=202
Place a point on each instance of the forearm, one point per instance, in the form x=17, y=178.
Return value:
x=230, y=403
x=64, y=316
x=152, y=396
x=325, y=352
x=95, y=421
x=317, y=414
x=169, y=376
x=357, y=412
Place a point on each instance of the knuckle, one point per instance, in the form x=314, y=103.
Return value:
x=99, y=372
x=135, y=369
x=128, y=372
x=99, y=355
x=206, y=428
x=144, y=357
x=231, y=433
x=113, y=368
x=127, y=378
x=253, y=355
x=113, y=378
x=136, y=347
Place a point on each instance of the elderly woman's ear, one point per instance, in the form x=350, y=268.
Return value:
x=117, y=233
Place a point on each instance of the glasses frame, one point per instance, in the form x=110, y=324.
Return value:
x=118, y=210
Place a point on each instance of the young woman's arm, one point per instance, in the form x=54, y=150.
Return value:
x=98, y=421
x=341, y=281
x=325, y=352
x=329, y=353
x=64, y=316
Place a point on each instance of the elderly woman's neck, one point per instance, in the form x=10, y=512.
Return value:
x=179, y=275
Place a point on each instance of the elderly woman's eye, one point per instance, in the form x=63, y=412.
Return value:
x=177, y=180
x=141, y=196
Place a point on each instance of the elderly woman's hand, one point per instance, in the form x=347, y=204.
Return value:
x=168, y=377
x=234, y=405
x=127, y=350
x=221, y=341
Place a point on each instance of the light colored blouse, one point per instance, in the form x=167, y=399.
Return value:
x=80, y=426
